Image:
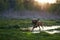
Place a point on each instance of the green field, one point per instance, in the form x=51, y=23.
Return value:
x=10, y=30
x=16, y=34
x=6, y=23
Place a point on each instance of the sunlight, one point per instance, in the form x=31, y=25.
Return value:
x=44, y=4
x=46, y=1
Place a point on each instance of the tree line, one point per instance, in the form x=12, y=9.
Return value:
x=16, y=4
x=25, y=4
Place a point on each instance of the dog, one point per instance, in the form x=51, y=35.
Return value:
x=37, y=23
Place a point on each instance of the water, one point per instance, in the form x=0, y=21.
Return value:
x=45, y=29
x=52, y=32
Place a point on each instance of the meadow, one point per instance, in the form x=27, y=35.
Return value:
x=10, y=27
x=16, y=34
x=10, y=30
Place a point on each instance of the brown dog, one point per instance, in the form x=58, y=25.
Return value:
x=37, y=23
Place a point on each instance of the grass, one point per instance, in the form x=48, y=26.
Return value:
x=10, y=30
x=25, y=22
x=16, y=34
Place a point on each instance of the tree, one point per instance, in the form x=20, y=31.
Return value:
x=55, y=8
x=3, y=5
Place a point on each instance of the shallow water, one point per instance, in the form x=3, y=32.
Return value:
x=45, y=29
